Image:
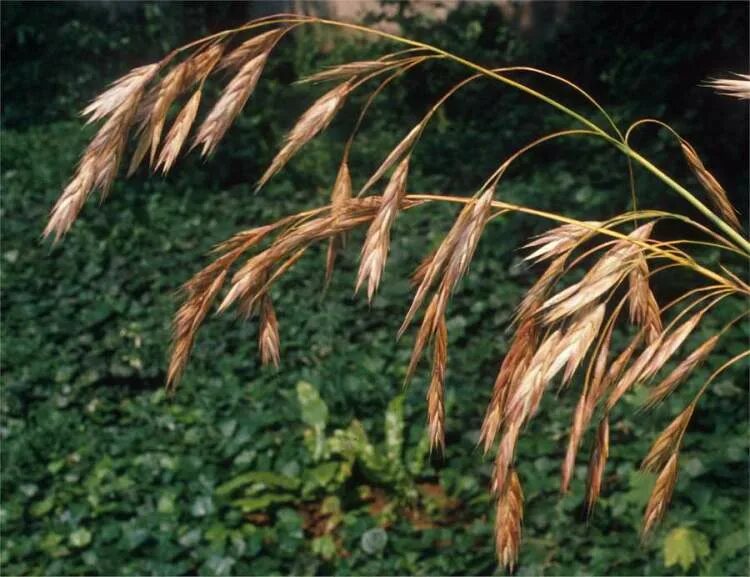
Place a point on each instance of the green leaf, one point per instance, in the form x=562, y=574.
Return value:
x=394, y=429
x=263, y=478
x=80, y=538
x=251, y=504
x=314, y=413
x=684, y=546
x=41, y=508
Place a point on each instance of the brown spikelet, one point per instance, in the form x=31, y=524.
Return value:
x=504, y=458
x=314, y=120
x=101, y=159
x=644, y=310
x=508, y=523
x=653, y=358
x=435, y=393
x=202, y=64
x=340, y=195
x=665, y=388
x=535, y=296
x=668, y=441
x=421, y=271
x=715, y=191
x=660, y=495
x=512, y=368
x=580, y=419
x=598, y=461
x=559, y=241
x=229, y=105
x=453, y=255
x=120, y=93
x=578, y=338
x=348, y=70
x=249, y=49
x=393, y=156
x=602, y=276
x=377, y=243
x=178, y=133
x=200, y=292
x=619, y=364
x=169, y=89
x=268, y=333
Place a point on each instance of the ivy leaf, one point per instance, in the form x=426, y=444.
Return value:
x=314, y=413
x=685, y=546
x=394, y=429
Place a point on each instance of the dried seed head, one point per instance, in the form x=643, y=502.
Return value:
x=435, y=393
x=377, y=243
x=310, y=124
x=340, y=195
x=121, y=93
x=668, y=441
x=560, y=241
x=178, y=133
x=715, y=191
x=251, y=48
x=598, y=461
x=394, y=156
x=230, y=104
x=268, y=333
x=508, y=523
x=738, y=87
x=514, y=365
x=348, y=70
x=660, y=495
x=602, y=276
x=665, y=388
x=644, y=310
x=169, y=89
x=535, y=296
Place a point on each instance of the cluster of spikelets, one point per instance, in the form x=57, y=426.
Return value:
x=556, y=330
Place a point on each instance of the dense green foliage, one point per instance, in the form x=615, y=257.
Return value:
x=322, y=466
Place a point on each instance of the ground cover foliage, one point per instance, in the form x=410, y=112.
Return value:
x=322, y=467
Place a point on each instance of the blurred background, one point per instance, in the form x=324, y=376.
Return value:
x=322, y=467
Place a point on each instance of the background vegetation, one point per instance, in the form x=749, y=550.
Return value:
x=322, y=466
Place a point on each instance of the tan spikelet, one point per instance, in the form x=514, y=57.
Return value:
x=249, y=49
x=504, y=458
x=668, y=441
x=377, y=243
x=644, y=310
x=229, y=105
x=536, y=295
x=715, y=191
x=169, y=89
x=178, y=133
x=120, y=93
x=268, y=333
x=578, y=338
x=435, y=393
x=603, y=275
x=340, y=195
x=559, y=241
x=737, y=86
x=597, y=463
x=512, y=368
x=681, y=371
x=660, y=495
x=348, y=70
x=508, y=521
x=310, y=124
x=394, y=156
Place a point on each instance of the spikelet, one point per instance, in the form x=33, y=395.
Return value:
x=668, y=441
x=314, y=120
x=653, y=358
x=340, y=195
x=578, y=338
x=738, y=87
x=665, y=388
x=536, y=295
x=169, y=89
x=200, y=292
x=504, y=458
x=377, y=243
x=715, y=191
x=121, y=93
x=229, y=105
x=508, y=523
x=598, y=461
x=660, y=495
x=394, y=156
x=348, y=70
x=514, y=364
x=435, y=393
x=178, y=133
x=602, y=276
x=268, y=333
x=559, y=241
x=249, y=49
x=643, y=308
